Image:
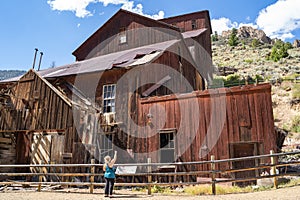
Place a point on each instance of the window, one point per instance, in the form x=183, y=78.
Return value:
x=167, y=146
x=194, y=25
x=106, y=145
x=122, y=36
x=109, y=95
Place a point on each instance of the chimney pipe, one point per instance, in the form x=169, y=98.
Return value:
x=36, y=50
x=41, y=55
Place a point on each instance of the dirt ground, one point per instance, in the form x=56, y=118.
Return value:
x=291, y=193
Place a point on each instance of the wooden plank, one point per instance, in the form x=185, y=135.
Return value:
x=5, y=140
x=243, y=110
x=7, y=146
x=252, y=116
x=29, y=79
x=224, y=135
x=258, y=115
x=59, y=114
x=234, y=112
x=203, y=151
x=7, y=153
x=268, y=129
x=51, y=112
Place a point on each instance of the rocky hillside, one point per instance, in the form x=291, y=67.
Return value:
x=245, y=59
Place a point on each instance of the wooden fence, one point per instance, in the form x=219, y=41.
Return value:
x=63, y=178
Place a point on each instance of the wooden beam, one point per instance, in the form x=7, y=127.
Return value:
x=156, y=86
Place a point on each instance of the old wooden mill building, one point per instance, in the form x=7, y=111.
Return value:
x=138, y=86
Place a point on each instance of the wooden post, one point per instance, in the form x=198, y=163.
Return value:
x=273, y=162
x=213, y=175
x=149, y=176
x=92, y=177
x=40, y=183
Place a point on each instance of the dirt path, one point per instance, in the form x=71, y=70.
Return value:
x=292, y=193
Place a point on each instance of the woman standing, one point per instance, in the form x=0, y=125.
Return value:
x=109, y=174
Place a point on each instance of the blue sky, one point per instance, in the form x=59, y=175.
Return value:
x=58, y=27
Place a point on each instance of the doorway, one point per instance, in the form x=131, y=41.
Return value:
x=238, y=150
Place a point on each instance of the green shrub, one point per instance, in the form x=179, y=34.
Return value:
x=279, y=51
x=296, y=124
x=258, y=78
x=248, y=61
x=232, y=80
x=255, y=43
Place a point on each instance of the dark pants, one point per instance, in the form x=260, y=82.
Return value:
x=109, y=186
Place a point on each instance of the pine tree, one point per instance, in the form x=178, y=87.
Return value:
x=233, y=39
x=215, y=37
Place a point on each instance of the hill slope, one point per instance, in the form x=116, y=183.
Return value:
x=5, y=74
x=246, y=60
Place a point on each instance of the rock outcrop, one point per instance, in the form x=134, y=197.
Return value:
x=296, y=44
x=249, y=32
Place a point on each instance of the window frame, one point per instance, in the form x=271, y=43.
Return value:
x=194, y=24
x=171, y=145
x=122, y=35
x=109, y=96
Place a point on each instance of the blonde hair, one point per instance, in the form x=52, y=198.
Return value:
x=107, y=159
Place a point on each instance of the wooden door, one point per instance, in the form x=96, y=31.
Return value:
x=243, y=150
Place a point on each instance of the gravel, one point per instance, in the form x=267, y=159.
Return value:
x=80, y=194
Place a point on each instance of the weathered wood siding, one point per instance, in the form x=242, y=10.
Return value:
x=34, y=105
x=7, y=151
x=140, y=31
x=201, y=19
x=249, y=119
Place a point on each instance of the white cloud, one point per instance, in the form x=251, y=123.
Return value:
x=80, y=7
x=280, y=19
x=277, y=20
x=222, y=24
x=248, y=24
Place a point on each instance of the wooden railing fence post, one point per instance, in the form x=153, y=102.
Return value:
x=213, y=175
x=149, y=176
x=40, y=179
x=92, y=177
x=273, y=162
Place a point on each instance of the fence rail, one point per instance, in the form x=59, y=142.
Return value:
x=62, y=178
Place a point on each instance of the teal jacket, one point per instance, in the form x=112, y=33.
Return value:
x=110, y=172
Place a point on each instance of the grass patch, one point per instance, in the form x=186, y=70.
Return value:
x=296, y=124
x=291, y=77
x=249, y=61
x=292, y=183
x=206, y=190
x=160, y=189
x=220, y=189
x=296, y=91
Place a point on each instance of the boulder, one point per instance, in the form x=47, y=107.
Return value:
x=296, y=44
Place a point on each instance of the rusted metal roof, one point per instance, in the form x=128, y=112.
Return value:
x=127, y=58
x=194, y=33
